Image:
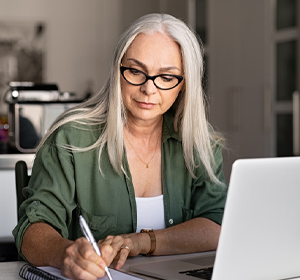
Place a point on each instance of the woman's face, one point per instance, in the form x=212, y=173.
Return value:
x=153, y=54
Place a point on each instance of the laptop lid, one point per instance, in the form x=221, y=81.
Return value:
x=260, y=236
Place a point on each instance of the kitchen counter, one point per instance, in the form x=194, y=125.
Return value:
x=8, y=161
x=10, y=156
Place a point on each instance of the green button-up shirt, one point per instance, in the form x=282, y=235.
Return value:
x=65, y=184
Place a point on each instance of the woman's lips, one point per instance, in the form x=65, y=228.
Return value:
x=145, y=105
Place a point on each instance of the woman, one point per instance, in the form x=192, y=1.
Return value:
x=139, y=154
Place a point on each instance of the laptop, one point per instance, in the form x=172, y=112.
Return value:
x=260, y=235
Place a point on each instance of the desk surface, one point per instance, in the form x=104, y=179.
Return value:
x=10, y=270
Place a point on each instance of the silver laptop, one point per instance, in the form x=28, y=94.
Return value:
x=260, y=236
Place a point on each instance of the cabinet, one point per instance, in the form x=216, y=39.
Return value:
x=8, y=216
x=8, y=203
x=239, y=76
x=253, y=65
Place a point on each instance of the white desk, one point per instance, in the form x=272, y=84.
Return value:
x=10, y=270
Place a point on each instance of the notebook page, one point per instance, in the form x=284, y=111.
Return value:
x=115, y=274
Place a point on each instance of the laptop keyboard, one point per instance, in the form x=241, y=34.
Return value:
x=203, y=273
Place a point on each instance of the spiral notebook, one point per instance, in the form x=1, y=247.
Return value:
x=30, y=272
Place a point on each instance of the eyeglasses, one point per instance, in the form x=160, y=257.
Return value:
x=137, y=78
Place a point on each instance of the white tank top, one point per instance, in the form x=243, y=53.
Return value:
x=150, y=213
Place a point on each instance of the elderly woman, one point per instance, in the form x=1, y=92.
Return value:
x=138, y=155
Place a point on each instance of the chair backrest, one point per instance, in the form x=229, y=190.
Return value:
x=22, y=179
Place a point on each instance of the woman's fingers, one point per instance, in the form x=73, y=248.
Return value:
x=123, y=246
x=82, y=262
x=114, y=241
x=123, y=255
x=107, y=254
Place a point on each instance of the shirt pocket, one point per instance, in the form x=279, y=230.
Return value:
x=102, y=225
x=187, y=214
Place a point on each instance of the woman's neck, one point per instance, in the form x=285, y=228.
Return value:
x=144, y=129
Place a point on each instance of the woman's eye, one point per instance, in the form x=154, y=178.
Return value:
x=167, y=78
x=135, y=71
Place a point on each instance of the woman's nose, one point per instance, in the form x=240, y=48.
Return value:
x=149, y=88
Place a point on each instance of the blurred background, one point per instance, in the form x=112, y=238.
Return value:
x=251, y=59
x=250, y=51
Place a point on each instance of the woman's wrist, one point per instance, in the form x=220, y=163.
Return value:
x=149, y=250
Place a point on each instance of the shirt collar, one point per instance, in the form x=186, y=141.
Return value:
x=168, y=127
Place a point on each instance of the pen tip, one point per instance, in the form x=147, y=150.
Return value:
x=108, y=273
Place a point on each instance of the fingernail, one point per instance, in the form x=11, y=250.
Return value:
x=117, y=267
x=102, y=265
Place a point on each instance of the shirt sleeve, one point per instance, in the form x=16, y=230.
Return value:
x=49, y=197
x=208, y=199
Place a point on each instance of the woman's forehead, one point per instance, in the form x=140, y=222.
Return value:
x=155, y=49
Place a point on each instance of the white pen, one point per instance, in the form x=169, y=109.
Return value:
x=89, y=236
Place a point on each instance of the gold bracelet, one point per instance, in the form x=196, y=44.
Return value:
x=152, y=239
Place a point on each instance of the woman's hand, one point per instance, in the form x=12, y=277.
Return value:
x=43, y=245
x=80, y=260
x=126, y=245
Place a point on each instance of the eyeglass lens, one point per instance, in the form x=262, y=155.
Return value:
x=137, y=77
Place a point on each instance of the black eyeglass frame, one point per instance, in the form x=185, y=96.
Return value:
x=123, y=69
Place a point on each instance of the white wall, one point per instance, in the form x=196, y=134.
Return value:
x=81, y=34
x=80, y=37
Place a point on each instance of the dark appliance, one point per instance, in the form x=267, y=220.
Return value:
x=32, y=110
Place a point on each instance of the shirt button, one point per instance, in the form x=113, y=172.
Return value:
x=171, y=221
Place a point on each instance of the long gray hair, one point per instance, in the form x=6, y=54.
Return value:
x=106, y=107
